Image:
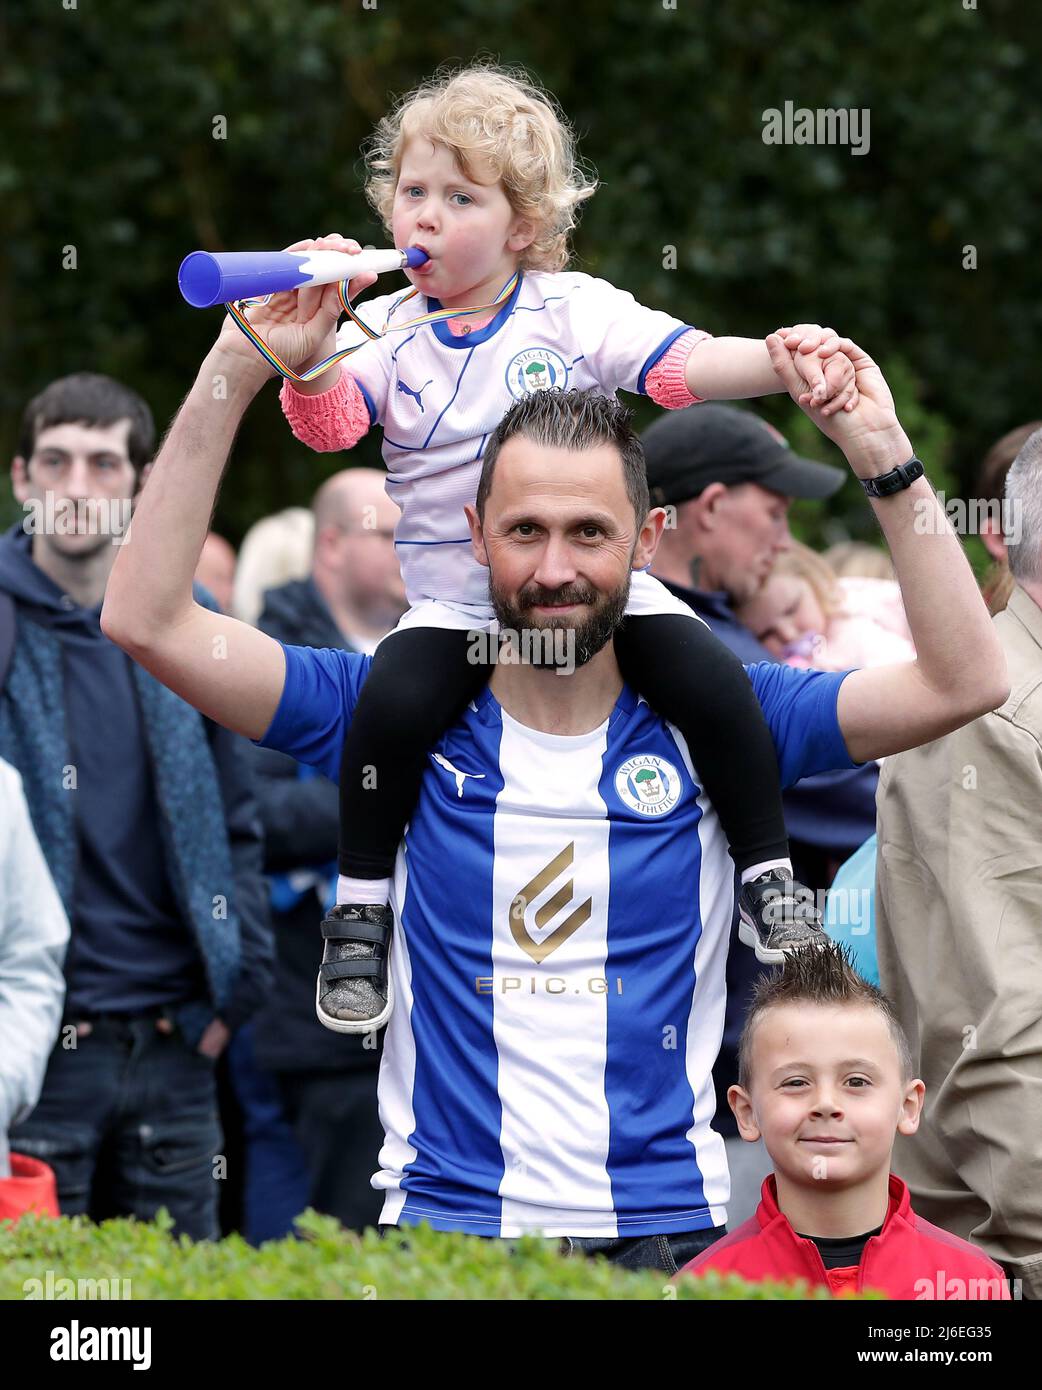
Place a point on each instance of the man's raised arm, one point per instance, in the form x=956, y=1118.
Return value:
x=960, y=668
x=227, y=669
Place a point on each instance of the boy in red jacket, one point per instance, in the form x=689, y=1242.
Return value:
x=826, y=1077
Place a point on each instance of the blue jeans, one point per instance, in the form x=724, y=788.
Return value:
x=276, y=1186
x=128, y=1120
x=665, y=1253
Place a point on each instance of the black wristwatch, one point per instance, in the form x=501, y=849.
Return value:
x=904, y=475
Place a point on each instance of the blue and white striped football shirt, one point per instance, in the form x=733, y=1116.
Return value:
x=565, y=905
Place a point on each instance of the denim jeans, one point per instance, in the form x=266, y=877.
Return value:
x=276, y=1178
x=665, y=1253
x=336, y=1119
x=128, y=1120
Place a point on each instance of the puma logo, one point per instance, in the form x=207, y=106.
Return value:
x=459, y=776
x=408, y=391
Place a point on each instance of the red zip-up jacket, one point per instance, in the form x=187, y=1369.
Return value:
x=909, y=1259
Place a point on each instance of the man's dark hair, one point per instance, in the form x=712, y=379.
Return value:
x=87, y=398
x=571, y=420
x=818, y=975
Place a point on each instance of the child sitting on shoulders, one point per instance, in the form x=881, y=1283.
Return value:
x=477, y=170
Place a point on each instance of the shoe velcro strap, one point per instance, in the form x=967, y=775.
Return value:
x=335, y=930
x=352, y=969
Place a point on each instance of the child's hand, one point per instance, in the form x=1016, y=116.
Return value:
x=828, y=373
x=300, y=325
x=310, y=298
x=869, y=431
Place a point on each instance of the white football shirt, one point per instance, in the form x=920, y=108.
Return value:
x=438, y=397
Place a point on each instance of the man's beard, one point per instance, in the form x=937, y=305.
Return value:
x=588, y=634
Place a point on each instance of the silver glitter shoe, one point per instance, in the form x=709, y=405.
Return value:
x=777, y=916
x=354, y=993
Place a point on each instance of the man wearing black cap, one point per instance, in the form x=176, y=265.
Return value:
x=726, y=478
x=729, y=478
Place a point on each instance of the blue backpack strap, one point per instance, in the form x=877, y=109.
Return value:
x=8, y=629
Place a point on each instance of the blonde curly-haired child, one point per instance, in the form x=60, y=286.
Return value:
x=478, y=168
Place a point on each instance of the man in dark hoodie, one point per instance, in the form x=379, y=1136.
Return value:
x=146, y=817
x=327, y=1081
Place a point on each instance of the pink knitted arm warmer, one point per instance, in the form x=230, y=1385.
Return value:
x=665, y=382
x=335, y=419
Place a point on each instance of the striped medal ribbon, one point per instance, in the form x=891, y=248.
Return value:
x=238, y=307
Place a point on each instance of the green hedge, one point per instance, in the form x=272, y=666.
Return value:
x=329, y=1262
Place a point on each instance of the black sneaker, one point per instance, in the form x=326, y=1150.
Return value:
x=354, y=992
x=778, y=916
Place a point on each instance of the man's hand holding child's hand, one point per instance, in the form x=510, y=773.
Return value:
x=827, y=372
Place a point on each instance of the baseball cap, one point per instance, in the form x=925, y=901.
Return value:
x=688, y=449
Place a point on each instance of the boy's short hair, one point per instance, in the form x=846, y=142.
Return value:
x=502, y=115
x=818, y=975
x=87, y=398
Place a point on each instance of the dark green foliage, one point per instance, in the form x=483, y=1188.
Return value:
x=109, y=114
x=330, y=1263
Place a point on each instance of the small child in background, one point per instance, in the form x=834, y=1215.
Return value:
x=826, y=1077
x=859, y=560
x=808, y=617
